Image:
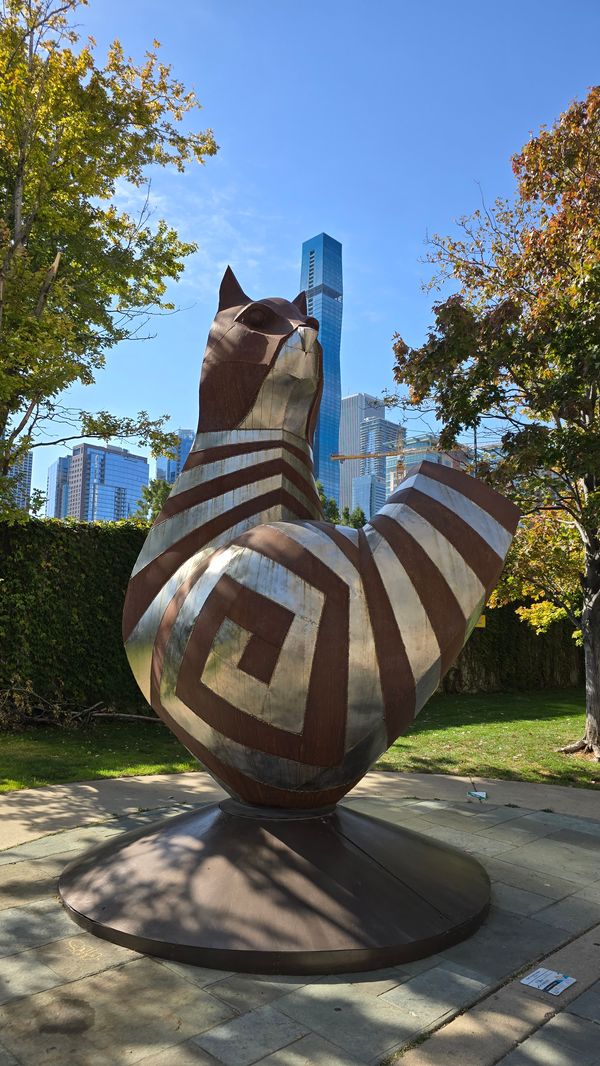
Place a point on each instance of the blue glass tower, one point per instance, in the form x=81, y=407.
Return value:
x=321, y=277
x=104, y=483
x=57, y=491
x=170, y=469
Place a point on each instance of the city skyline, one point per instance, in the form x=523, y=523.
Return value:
x=253, y=206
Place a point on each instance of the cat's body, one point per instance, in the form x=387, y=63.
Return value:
x=284, y=652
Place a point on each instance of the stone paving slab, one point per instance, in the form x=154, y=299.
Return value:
x=188, y=1054
x=22, y=975
x=587, y=1005
x=247, y=1039
x=79, y=956
x=23, y=883
x=502, y=1024
x=543, y=884
x=245, y=991
x=160, y=1013
x=505, y=943
x=365, y=1026
x=517, y=900
x=572, y=913
x=32, y=925
x=140, y=1009
x=563, y=1041
x=27, y=814
x=311, y=1050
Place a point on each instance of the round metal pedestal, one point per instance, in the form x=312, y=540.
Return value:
x=265, y=891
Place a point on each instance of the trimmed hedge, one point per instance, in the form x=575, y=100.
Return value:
x=508, y=654
x=62, y=587
x=61, y=599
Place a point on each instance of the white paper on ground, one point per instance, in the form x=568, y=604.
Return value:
x=478, y=795
x=548, y=981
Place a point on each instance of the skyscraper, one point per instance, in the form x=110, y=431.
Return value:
x=355, y=409
x=379, y=435
x=20, y=474
x=425, y=447
x=104, y=483
x=369, y=487
x=170, y=469
x=321, y=277
x=57, y=488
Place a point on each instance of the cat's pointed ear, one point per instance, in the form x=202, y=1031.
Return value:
x=300, y=302
x=230, y=292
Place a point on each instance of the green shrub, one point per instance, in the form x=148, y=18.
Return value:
x=62, y=586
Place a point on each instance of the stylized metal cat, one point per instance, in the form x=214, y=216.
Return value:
x=284, y=652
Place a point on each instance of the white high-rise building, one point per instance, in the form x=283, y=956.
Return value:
x=355, y=409
x=377, y=436
x=20, y=474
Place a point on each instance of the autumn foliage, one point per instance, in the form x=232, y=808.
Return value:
x=518, y=345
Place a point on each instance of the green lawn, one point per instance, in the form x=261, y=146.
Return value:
x=510, y=735
x=501, y=735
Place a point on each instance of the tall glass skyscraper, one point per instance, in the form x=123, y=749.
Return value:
x=57, y=488
x=104, y=483
x=170, y=469
x=355, y=409
x=321, y=277
x=20, y=474
x=369, y=488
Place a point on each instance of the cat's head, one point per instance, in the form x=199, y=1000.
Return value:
x=263, y=367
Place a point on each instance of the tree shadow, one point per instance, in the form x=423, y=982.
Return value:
x=443, y=712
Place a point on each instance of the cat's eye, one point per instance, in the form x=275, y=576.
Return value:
x=259, y=317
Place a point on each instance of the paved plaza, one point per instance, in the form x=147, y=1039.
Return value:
x=67, y=997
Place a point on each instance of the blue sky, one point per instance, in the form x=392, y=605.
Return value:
x=374, y=121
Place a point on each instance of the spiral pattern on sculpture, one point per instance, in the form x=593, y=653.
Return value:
x=287, y=653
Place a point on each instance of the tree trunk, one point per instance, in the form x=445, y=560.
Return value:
x=590, y=629
x=590, y=624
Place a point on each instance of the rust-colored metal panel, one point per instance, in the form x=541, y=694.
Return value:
x=287, y=654
x=273, y=893
x=375, y=618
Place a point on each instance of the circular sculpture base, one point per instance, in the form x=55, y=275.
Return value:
x=267, y=891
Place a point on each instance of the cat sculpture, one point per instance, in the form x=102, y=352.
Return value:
x=284, y=652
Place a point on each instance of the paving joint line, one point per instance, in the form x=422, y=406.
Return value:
x=513, y=981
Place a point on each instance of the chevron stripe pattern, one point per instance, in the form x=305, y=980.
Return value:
x=284, y=652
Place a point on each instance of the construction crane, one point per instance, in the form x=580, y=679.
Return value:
x=367, y=455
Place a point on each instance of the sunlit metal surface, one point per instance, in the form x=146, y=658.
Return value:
x=285, y=653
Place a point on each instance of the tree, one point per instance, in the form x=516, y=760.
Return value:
x=330, y=508
x=153, y=498
x=544, y=566
x=78, y=274
x=356, y=519
x=519, y=342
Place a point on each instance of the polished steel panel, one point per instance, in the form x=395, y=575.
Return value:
x=197, y=475
x=321, y=684
x=498, y=538
x=365, y=702
x=419, y=639
x=465, y=585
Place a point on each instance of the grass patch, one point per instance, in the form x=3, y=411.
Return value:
x=48, y=756
x=506, y=735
